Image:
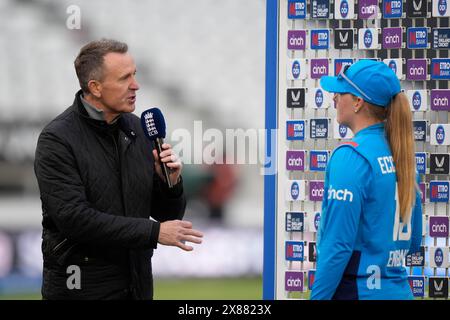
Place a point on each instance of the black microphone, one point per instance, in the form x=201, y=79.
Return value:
x=154, y=126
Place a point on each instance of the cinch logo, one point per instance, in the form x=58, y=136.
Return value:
x=368, y=10
x=318, y=99
x=342, y=131
x=293, y=281
x=295, y=130
x=296, y=39
x=392, y=39
x=296, y=69
x=417, y=71
x=316, y=190
x=416, y=100
x=344, y=8
x=295, y=190
x=442, y=7
x=319, y=70
x=341, y=195
x=295, y=160
x=393, y=66
x=368, y=38
x=318, y=160
x=440, y=134
x=438, y=257
x=439, y=228
x=440, y=100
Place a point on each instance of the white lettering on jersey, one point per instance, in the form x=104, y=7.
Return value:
x=373, y=281
x=386, y=164
x=397, y=258
x=398, y=233
x=341, y=195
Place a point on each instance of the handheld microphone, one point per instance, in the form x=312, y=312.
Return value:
x=154, y=127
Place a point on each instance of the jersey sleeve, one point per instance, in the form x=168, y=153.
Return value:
x=346, y=179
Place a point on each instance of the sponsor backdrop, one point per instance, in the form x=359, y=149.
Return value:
x=309, y=39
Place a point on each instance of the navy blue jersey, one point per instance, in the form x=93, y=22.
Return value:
x=362, y=242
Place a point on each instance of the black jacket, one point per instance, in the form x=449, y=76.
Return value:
x=98, y=189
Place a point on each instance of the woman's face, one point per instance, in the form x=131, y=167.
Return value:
x=345, y=103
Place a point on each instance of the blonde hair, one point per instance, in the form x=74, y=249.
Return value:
x=399, y=133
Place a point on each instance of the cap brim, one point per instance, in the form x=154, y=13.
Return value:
x=334, y=85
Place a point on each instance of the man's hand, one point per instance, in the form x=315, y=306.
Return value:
x=173, y=163
x=176, y=232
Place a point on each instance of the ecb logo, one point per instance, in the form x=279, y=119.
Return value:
x=438, y=257
x=295, y=190
x=296, y=69
x=368, y=38
x=440, y=134
x=344, y=9
x=442, y=7
x=318, y=98
x=342, y=131
x=416, y=100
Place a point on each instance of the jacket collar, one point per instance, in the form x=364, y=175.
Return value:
x=123, y=123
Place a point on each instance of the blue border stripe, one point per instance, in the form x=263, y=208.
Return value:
x=271, y=123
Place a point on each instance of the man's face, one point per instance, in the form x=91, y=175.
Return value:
x=119, y=85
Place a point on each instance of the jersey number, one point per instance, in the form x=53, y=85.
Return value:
x=399, y=225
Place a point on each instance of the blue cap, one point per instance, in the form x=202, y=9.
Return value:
x=373, y=81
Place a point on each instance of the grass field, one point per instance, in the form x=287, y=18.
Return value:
x=190, y=289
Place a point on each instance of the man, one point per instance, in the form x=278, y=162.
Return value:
x=100, y=183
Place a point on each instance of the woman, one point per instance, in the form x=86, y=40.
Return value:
x=371, y=212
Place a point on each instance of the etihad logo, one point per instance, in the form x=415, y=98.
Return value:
x=340, y=194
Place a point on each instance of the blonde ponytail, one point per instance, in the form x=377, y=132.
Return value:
x=399, y=132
